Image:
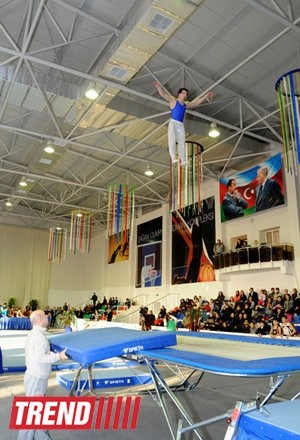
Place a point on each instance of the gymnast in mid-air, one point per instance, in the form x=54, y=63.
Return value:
x=176, y=132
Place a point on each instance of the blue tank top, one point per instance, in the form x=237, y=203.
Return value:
x=178, y=112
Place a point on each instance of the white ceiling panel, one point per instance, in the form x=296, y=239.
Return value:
x=213, y=45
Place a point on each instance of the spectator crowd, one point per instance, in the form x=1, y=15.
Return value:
x=271, y=313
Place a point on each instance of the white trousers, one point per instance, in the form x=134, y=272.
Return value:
x=176, y=133
x=34, y=386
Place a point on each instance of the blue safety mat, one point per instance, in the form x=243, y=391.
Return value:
x=291, y=342
x=281, y=421
x=108, y=378
x=95, y=345
x=226, y=366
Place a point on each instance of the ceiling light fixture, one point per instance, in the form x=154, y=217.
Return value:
x=91, y=92
x=8, y=204
x=23, y=183
x=213, y=132
x=49, y=149
x=149, y=171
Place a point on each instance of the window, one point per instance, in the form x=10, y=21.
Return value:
x=272, y=236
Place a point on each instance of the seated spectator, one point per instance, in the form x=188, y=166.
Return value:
x=294, y=293
x=239, y=243
x=289, y=315
x=4, y=310
x=288, y=328
x=263, y=328
x=243, y=297
x=210, y=323
x=108, y=313
x=269, y=306
x=277, y=312
x=276, y=330
x=262, y=298
x=236, y=298
x=252, y=328
x=296, y=304
x=288, y=302
x=246, y=327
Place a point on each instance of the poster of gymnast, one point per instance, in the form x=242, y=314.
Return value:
x=193, y=239
x=149, y=247
x=118, y=248
x=255, y=189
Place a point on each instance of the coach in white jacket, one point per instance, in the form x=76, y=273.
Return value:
x=38, y=359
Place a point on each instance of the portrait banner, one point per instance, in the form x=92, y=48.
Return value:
x=193, y=239
x=253, y=190
x=149, y=248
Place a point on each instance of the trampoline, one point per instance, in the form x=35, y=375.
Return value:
x=207, y=352
x=90, y=346
x=224, y=354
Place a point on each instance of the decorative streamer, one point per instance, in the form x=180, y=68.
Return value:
x=186, y=181
x=81, y=232
x=57, y=245
x=288, y=92
x=120, y=212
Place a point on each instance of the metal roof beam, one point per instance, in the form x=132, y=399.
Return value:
x=278, y=17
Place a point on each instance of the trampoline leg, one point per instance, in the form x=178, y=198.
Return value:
x=161, y=384
x=279, y=381
x=90, y=378
x=77, y=376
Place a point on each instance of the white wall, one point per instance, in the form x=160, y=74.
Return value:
x=75, y=280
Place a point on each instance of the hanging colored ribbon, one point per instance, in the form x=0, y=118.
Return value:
x=186, y=182
x=81, y=232
x=57, y=245
x=120, y=213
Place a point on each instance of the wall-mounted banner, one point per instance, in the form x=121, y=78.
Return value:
x=118, y=248
x=149, y=238
x=253, y=190
x=193, y=239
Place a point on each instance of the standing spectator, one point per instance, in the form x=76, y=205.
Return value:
x=38, y=359
x=94, y=299
x=219, y=247
x=109, y=314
